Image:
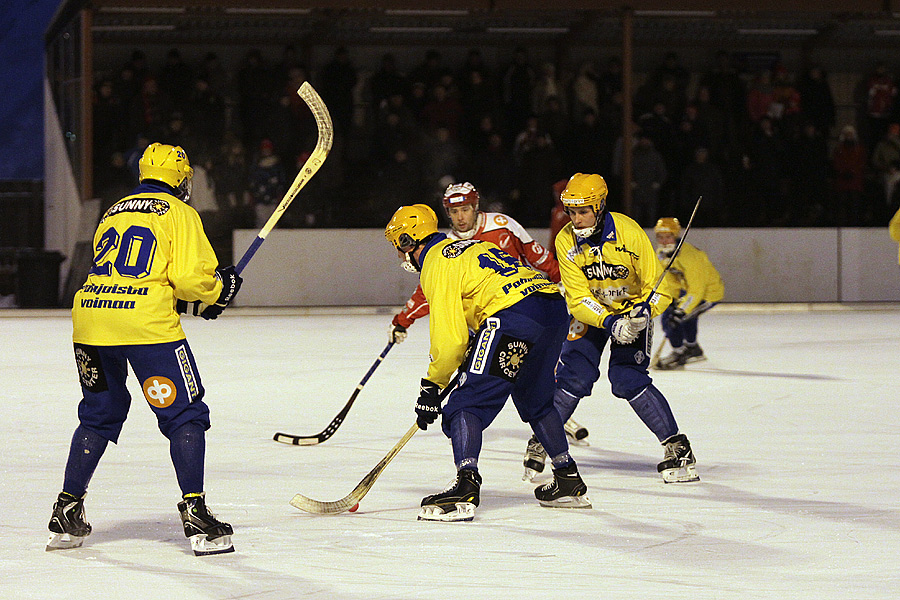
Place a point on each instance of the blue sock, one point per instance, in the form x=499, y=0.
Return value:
x=84, y=454
x=653, y=409
x=187, y=447
x=550, y=433
x=465, y=435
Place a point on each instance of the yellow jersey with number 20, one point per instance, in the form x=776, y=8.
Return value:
x=149, y=249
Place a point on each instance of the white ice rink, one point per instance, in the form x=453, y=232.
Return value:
x=794, y=422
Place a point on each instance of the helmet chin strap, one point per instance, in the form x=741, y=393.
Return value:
x=586, y=232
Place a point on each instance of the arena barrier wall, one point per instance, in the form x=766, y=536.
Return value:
x=357, y=267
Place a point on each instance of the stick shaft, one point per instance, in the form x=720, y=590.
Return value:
x=312, y=440
x=309, y=168
x=677, y=249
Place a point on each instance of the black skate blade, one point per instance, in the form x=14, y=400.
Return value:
x=575, y=431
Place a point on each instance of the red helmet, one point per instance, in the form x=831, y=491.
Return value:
x=460, y=194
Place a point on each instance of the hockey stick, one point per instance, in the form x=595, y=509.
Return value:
x=309, y=168
x=655, y=359
x=312, y=440
x=352, y=499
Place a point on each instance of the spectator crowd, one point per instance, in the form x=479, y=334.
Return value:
x=761, y=146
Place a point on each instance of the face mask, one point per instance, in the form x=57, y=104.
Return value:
x=665, y=250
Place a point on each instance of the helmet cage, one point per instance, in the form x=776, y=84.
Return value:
x=405, y=241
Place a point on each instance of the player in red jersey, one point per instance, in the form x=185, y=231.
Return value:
x=467, y=222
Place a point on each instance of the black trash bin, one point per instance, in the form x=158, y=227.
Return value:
x=37, y=278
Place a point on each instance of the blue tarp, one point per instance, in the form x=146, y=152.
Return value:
x=22, y=26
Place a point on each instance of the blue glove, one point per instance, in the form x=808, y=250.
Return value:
x=231, y=283
x=428, y=406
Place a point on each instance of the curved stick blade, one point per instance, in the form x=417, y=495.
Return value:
x=347, y=502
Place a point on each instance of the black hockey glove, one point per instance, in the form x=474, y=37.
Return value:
x=396, y=334
x=183, y=306
x=231, y=283
x=428, y=406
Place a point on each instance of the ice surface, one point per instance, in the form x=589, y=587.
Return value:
x=793, y=420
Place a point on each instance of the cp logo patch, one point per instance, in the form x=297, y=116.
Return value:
x=159, y=391
x=577, y=329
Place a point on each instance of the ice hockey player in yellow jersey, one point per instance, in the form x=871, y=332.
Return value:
x=698, y=287
x=609, y=269
x=150, y=251
x=519, y=322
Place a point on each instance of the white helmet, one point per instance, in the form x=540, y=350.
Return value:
x=462, y=194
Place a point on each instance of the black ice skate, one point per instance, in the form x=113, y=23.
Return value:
x=208, y=535
x=693, y=353
x=576, y=433
x=678, y=463
x=567, y=490
x=675, y=360
x=457, y=502
x=68, y=526
x=535, y=456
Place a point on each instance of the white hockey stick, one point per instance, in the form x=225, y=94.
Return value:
x=655, y=360
x=312, y=164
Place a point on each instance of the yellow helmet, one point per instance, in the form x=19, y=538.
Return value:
x=668, y=225
x=168, y=164
x=585, y=190
x=410, y=225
